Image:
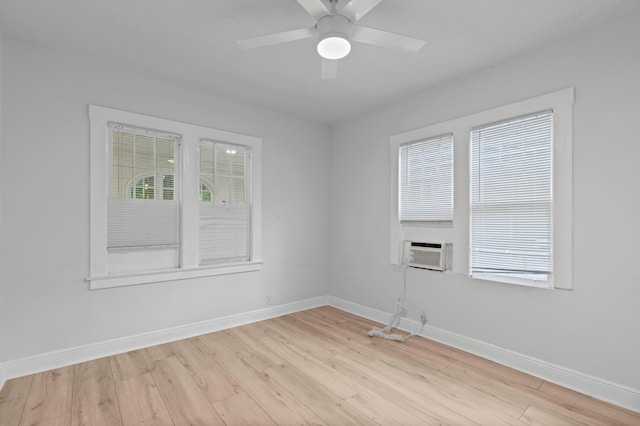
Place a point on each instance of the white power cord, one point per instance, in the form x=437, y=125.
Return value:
x=385, y=333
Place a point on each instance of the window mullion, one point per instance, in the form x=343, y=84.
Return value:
x=156, y=186
x=189, y=178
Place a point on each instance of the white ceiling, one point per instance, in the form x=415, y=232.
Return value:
x=193, y=43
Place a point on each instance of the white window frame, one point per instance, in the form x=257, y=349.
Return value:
x=100, y=164
x=561, y=103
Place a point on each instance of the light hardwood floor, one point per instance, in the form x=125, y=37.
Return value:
x=312, y=367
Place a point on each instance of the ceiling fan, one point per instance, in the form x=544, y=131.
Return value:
x=335, y=29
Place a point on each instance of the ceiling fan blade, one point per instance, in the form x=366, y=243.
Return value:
x=386, y=39
x=276, y=38
x=356, y=9
x=329, y=69
x=315, y=8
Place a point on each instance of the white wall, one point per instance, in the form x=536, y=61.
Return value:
x=594, y=329
x=45, y=226
x=3, y=309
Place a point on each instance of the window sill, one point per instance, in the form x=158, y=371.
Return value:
x=122, y=280
x=522, y=282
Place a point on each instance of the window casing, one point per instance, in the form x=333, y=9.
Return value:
x=146, y=192
x=458, y=232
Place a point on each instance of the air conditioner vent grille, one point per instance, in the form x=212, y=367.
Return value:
x=434, y=256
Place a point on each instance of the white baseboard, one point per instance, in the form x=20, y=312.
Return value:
x=614, y=393
x=605, y=390
x=3, y=377
x=65, y=357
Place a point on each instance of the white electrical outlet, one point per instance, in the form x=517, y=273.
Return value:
x=267, y=299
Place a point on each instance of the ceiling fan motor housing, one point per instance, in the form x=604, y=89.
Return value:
x=334, y=26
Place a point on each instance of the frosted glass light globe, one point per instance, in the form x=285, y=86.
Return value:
x=334, y=47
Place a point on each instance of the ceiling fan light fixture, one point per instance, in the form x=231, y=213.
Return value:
x=334, y=46
x=334, y=34
x=334, y=31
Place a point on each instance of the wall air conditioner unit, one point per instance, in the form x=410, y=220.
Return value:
x=433, y=256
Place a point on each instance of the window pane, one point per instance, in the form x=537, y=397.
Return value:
x=222, y=164
x=144, y=151
x=238, y=190
x=225, y=213
x=143, y=168
x=238, y=161
x=206, y=158
x=164, y=184
x=222, y=189
x=122, y=148
x=121, y=181
x=206, y=194
x=145, y=188
x=222, y=172
x=426, y=180
x=164, y=153
x=148, y=157
x=511, y=198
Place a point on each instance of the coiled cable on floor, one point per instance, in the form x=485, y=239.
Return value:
x=385, y=333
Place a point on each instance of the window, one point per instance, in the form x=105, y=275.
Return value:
x=225, y=210
x=511, y=203
x=170, y=200
x=143, y=210
x=512, y=193
x=426, y=180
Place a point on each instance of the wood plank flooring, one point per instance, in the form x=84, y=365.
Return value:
x=312, y=367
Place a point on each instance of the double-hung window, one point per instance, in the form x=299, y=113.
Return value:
x=170, y=200
x=512, y=192
x=143, y=210
x=511, y=199
x=225, y=210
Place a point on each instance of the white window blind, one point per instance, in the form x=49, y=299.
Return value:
x=143, y=209
x=225, y=207
x=511, y=198
x=426, y=180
